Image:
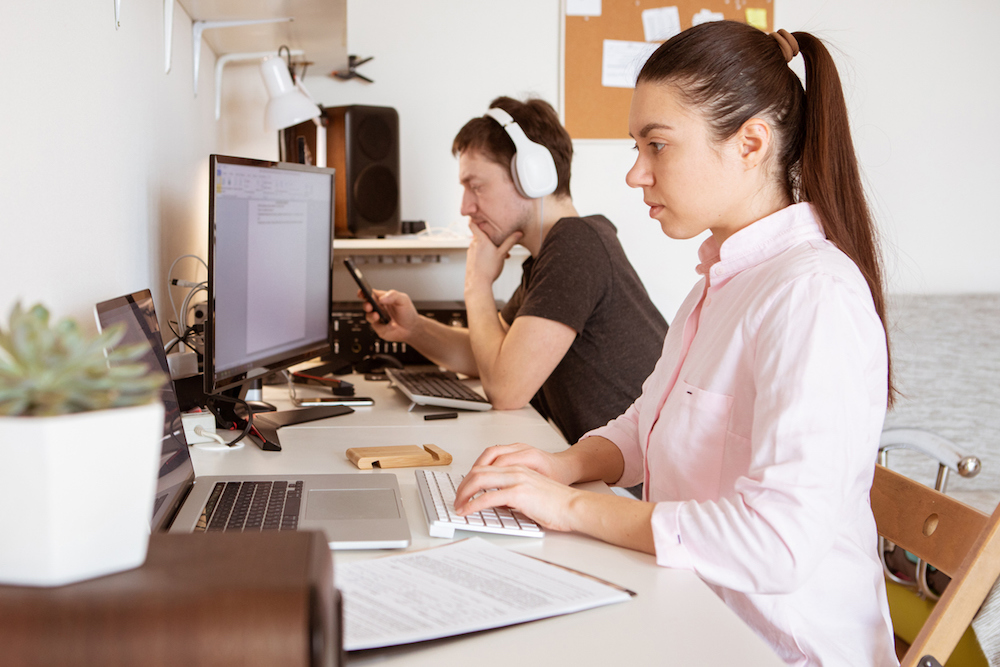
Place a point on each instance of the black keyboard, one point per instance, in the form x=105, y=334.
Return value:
x=437, y=388
x=251, y=506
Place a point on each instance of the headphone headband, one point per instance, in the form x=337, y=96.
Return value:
x=532, y=167
x=500, y=116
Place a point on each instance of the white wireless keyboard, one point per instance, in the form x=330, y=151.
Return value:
x=437, y=495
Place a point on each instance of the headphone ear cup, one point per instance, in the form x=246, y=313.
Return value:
x=534, y=170
x=517, y=180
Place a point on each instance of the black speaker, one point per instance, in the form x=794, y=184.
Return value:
x=363, y=146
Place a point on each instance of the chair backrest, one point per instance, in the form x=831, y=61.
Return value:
x=959, y=540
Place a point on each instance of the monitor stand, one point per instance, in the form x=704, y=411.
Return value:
x=269, y=420
x=254, y=398
x=230, y=410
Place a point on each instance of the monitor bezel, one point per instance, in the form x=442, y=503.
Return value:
x=214, y=384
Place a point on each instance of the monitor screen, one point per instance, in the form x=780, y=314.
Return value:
x=270, y=261
x=136, y=314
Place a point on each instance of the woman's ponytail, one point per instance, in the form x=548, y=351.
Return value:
x=828, y=173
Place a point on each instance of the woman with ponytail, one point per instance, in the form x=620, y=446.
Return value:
x=756, y=435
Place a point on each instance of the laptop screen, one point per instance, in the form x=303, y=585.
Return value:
x=136, y=313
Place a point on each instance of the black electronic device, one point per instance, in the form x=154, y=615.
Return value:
x=363, y=146
x=270, y=262
x=377, y=363
x=354, y=338
x=366, y=290
x=337, y=386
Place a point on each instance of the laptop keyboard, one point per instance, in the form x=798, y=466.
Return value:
x=251, y=506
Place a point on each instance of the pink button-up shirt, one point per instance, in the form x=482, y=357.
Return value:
x=756, y=436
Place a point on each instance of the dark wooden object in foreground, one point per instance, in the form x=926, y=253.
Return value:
x=199, y=601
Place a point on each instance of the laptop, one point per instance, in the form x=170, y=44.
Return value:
x=356, y=511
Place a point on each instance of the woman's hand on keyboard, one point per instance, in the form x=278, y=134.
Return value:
x=535, y=483
x=545, y=500
x=519, y=454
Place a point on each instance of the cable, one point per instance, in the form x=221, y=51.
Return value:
x=221, y=447
x=248, y=422
x=541, y=222
x=185, y=305
x=449, y=232
x=178, y=338
x=170, y=273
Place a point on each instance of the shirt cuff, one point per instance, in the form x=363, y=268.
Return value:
x=670, y=548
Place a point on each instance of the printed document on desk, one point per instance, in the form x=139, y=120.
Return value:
x=455, y=589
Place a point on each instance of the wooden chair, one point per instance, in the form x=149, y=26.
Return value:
x=955, y=538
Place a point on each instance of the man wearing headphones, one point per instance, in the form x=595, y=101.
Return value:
x=580, y=334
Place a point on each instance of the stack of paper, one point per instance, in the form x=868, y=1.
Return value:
x=462, y=587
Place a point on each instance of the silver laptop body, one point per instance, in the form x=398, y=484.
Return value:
x=356, y=511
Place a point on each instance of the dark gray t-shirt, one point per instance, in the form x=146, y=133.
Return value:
x=583, y=279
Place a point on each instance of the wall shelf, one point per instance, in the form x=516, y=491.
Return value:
x=409, y=249
x=398, y=245
x=317, y=29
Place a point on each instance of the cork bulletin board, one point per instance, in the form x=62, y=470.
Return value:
x=596, y=111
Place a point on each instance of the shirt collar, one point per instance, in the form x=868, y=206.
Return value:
x=758, y=242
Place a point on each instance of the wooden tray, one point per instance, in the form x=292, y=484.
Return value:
x=398, y=456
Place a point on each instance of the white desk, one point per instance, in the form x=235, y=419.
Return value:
x=675, y=619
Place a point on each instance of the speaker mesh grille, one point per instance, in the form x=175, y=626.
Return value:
x=376, y=193
x=375, y=138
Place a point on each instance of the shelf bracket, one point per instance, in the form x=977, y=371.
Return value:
x=198, y=27
x=222, y=61
x=118, y=9
x=168, y=33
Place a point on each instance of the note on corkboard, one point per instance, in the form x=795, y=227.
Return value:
x=594, y=110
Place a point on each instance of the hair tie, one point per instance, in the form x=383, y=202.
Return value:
x=789, y=47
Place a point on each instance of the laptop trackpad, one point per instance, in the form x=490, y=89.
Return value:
x=327, y=504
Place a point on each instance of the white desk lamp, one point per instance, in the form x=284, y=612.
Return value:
x=290, y=103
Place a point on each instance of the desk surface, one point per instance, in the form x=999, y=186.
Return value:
x=675, y=618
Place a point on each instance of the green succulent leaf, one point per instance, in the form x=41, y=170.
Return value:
x=53, y=369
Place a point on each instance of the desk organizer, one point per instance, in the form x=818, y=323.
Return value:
x=398, y=456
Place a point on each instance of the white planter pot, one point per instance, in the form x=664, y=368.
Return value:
x=76, y=493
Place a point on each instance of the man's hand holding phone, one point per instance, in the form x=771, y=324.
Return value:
x=404, y=316
x=366, y=291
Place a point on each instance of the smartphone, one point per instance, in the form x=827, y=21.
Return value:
x=366, y=289
x=351, y=401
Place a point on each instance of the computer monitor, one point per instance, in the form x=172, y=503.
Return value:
x=270, y=262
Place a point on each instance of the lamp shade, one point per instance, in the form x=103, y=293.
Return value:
x=288, y=105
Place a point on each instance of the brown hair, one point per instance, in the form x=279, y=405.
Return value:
x=732, y=72
x=540, y=124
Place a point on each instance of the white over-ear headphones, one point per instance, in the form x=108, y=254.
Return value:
x=532, y=167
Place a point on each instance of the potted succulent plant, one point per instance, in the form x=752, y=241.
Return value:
x=80, y=434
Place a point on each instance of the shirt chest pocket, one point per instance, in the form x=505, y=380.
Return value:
x=687, y=444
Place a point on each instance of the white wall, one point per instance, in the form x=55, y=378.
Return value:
x=923, y=89
x=102, y=155
x=103, y=176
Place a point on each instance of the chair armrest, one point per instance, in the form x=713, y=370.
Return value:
x=930, y=444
